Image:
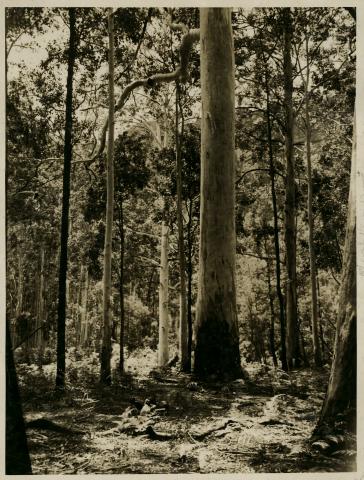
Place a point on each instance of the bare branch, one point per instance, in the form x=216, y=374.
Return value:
x=180, y=73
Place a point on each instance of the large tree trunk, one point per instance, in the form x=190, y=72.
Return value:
x=217, y=336
x=183, y=326
x=292, y=341
x=105, y=373
x=163, y=354
x=341, y=392
x=63, y=260
x=17, y=454
x=282, y=321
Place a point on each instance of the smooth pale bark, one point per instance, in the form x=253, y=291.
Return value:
x=341, y=392
x=314, y=311
x=183, y=326
x=63, y=258
x=105, y=373
x=217, y=336
x=282, y=321
x=292, y=340
x=163, y=353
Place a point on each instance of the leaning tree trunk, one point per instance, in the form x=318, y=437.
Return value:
x=63, y=259
x=217, y=336
x=17, y=454
x=163, y=354
x=183, y=326
x=341, y=392
x=105, y=373
x=292, y=341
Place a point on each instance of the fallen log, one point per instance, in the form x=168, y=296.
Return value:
x=206, y=433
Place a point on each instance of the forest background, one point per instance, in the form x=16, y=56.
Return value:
x=253, y=346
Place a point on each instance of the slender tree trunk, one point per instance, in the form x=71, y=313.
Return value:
x=314, y=312
x=217, y=335
x=19, y=299
x=105, y=373
x=183, y=326
x=282, y=320
x=163, y=354
x=189, y=282
x=341, y=392
x=78, y=309
x=63, y=260
x=292, y=341
x=272, y=314
x=84, y=313
x=319, y=312
x=40, y=310
x=17, y=454
x=121, y=288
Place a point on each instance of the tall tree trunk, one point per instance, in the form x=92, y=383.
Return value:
x=63, y=259
x=105, y=374
x=314, y=311
x=163, y=354
x=121, y=288
x=341, y=392
x=217, y=336
x=189, y=282
x=17, y=454
x=292, y=341
x=282, y=321
x=183, y=326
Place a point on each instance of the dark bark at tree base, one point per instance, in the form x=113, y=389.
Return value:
x=17, y=454
x=217, y=351
x=105, y=377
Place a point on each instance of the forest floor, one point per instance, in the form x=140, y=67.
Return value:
x=237, y=427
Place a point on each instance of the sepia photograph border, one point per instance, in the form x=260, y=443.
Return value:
x=359, y=4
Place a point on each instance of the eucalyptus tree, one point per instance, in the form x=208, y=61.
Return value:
x=341, y=392
x=217, y=339
x=340, y=399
